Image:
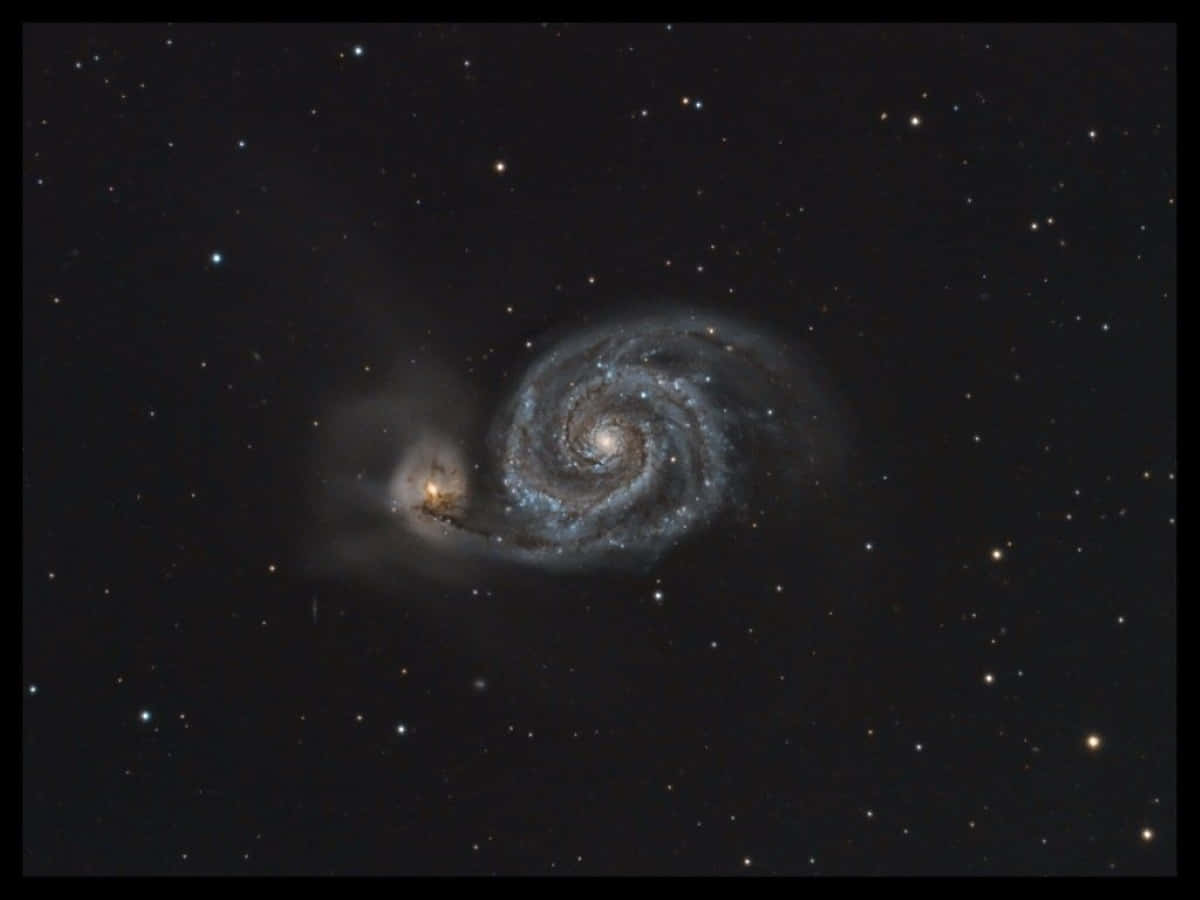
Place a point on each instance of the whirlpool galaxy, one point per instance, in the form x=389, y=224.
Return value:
x=618, y=443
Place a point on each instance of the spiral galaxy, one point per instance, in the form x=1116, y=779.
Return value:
x=617, y=444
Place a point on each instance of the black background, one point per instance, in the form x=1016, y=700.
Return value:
x=855, y=687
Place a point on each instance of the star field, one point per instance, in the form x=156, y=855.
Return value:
x=851, y=346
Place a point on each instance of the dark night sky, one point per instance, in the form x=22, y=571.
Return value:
x=949, y=648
